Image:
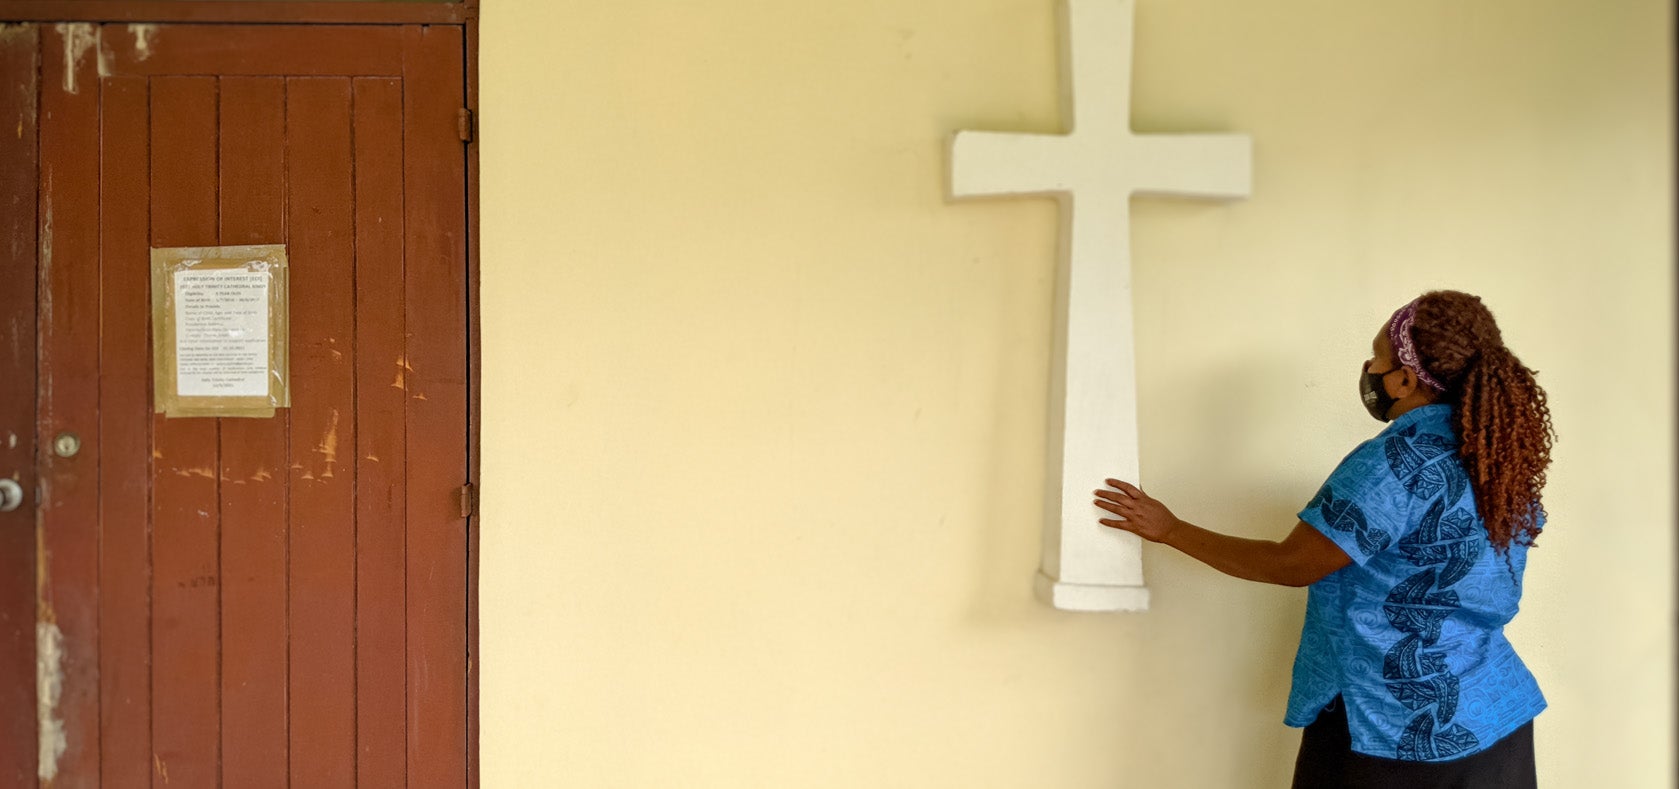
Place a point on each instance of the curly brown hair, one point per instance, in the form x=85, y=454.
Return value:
x=1503, y=422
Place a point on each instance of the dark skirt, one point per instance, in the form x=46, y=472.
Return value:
x=1327, y=761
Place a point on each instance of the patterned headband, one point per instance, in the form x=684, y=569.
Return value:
x=1405, y=346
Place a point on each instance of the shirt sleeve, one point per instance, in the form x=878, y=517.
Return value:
x=1363, y=507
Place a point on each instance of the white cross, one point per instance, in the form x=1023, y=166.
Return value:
x=1093, y=170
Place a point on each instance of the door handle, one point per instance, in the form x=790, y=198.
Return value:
x=11, y=495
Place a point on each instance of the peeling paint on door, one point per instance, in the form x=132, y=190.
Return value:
x=78, y=38
x=142, y=40
x=402, y=370
x=49, y=687
x=328, y=447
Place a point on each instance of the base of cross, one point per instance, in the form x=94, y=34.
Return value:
x=1090, y=597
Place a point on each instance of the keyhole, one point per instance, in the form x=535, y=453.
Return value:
x=66, y=445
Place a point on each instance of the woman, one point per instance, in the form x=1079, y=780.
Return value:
x=1414, y=550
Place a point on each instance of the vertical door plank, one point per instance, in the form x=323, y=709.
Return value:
x=435, y=179
x=186, y=502
x=323, y=437
x=68, y=539
x=253, y=467
x=19, y=191
x=125, y=415
x=381, y=450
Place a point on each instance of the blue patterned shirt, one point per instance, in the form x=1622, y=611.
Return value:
x=1411, y=634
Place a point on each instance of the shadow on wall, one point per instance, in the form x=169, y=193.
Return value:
x=1218, y=445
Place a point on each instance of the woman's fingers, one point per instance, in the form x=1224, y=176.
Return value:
x=1130, y=490
x=1112, y=507
x=1123, y=500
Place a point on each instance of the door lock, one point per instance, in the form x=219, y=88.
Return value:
x=11, y=495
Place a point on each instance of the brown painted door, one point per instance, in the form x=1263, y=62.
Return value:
x=254, y=602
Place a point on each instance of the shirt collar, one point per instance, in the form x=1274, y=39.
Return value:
x=1440, y=413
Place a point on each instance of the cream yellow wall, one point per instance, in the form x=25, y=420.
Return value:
x=764, y=415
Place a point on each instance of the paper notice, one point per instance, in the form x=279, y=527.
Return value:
x=221, y=333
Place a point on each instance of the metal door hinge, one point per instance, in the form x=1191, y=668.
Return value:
x=463, y=125
x=468, y=499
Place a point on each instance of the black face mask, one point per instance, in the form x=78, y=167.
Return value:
x=1376, y=398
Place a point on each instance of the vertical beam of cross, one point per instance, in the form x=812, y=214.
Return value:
x=1093, y=170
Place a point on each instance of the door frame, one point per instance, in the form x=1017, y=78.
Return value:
x=19, y=262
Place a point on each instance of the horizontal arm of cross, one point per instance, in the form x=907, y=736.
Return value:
x=1188, y=165
x=999, y=163
x=1191, y=165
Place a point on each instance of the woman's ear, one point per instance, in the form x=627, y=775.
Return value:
x=1408, y=382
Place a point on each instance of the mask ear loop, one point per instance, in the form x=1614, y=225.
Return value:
x=1384, y=375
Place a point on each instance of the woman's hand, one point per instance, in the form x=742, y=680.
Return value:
x=1139, y=514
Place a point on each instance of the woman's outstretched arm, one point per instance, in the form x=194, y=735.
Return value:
x=1301, y=559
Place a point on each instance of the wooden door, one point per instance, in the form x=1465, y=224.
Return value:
x=250, y=602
